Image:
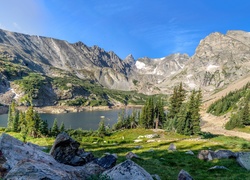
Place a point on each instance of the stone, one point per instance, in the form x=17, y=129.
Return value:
x=151, y=140
x=138, y=147
x=127, y=170
x=156, y=177
x=218, y=167
x=172, y=147
x=138, y=140
x=106, y=162
x=151, y=150
x=151, y=136
x=115, y=155
x=189, y=152
x=131, y=155
x=184, y=175
x=244, y=160
x=206, y=155
x=66, y=150
x=224, y=154
x=21, y=161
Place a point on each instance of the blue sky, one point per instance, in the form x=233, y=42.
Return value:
x=140, y=27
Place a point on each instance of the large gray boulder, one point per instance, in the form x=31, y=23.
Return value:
x=21, y=161
x=225, y=154
x=244, y=160
x=128, y=170
x=66, y=150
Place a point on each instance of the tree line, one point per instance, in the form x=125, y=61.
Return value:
x=182, y=115
x=30, y=123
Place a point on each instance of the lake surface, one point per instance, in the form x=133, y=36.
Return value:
x=87, y=120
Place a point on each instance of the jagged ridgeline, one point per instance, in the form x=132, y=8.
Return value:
x=73, y=73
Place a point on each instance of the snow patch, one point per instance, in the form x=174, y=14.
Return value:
x=16, y=95
x=140, y=65
x=189, y=76
x=212, y=67
x=173, y=72
x=159, y=59
x=192, y=85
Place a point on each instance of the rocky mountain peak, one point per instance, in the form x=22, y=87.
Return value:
x=129, y=59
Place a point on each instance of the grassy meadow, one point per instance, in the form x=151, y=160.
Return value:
x=155, y=156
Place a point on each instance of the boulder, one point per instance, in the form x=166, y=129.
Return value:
x=156, y=177
x=244, y=160
x=21, y=161
x=189, y=152
x=66, y=150
x=107, y=161
x=206, y=155
x=224, y=154
x=172, y=147
x=131, y=155
x=184, y=175
x=218, y=167
x=128, y=170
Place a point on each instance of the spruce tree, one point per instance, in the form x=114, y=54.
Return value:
x=43, y=127
x=11, y=116
x=245, y=113
x=30, y=122
x=101, y=129
x=54, y=129
x=62, y=128
x=175, y=103
x=16, y=127
x=22, y=122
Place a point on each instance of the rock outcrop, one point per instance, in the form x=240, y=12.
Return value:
x=66, y=150
x=21, y=161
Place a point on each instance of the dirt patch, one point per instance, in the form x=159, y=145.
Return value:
x=216, y=124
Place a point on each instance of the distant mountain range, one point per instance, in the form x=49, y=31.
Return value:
x=219, y=60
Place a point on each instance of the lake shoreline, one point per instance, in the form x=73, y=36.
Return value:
x=69, y=109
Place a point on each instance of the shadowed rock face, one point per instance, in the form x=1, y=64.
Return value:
x=66, y=150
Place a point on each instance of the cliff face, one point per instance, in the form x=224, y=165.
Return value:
x=219, y=59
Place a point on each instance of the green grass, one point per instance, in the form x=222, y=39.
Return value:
x=245, y=129
x=166, y=164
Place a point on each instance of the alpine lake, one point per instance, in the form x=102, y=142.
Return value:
x=86, y=120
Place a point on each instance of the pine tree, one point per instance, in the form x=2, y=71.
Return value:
x=11, y=116
x=22, y=122
x=101, y=129
x=175, y=104
x=160, y=115
x=16, y=122
x=43, y=127
x=62, y=128
x=245, y=113
x=54, y=129
x=30, y=122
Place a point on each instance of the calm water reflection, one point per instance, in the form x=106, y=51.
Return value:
x=86, y=120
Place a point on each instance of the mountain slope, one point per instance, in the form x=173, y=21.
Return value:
x=219, y=60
